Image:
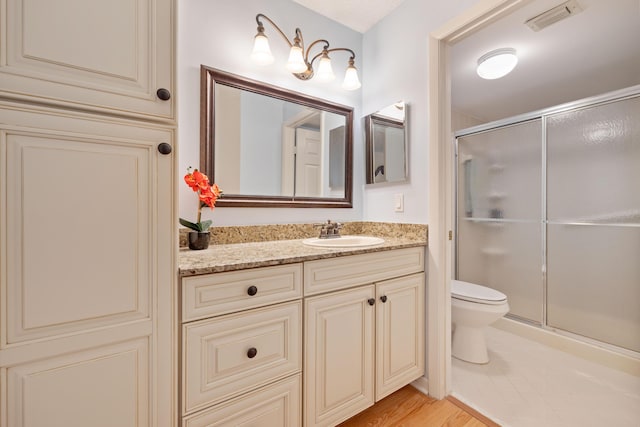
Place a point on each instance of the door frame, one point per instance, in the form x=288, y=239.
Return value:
x=440, y=188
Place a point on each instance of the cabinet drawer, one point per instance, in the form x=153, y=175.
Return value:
x=230, y=355
x=221, y=293
x=343, y=272
x=276, y=405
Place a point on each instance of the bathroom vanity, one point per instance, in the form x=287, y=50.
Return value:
x=282, y=334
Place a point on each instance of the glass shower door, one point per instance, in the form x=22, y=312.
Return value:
x=593, y=231
x=499, y=214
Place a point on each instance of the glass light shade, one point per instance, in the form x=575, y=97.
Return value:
x=351, y=81
x=325, y=71
x=261, y=52
x=296, y=63
x=497, y=63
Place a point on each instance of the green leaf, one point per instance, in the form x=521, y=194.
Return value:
x=204, y=225
x=190, y=225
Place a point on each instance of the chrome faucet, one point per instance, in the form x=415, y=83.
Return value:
x=329, y=230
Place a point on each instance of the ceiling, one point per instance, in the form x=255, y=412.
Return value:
x=593, y=52
x=359, y=15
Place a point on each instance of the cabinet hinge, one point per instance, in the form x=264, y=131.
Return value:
x=450, y=235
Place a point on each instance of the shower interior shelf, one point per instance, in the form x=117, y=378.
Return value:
x=496, y=195
x=493, y=251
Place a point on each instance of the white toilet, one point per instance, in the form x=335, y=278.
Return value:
x=473, y=308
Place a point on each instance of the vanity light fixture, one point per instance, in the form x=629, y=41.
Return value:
x=299, y=62
x=497, y=63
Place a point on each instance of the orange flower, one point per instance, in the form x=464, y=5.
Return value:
x=197, y=180
x=207, y=196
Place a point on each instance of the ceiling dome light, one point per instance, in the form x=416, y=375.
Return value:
x=497, y=63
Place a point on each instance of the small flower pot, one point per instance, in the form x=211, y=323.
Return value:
x=199, y=240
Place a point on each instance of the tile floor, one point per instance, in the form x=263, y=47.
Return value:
x=527, y=384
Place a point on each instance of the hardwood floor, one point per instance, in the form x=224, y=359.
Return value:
x=408, y=407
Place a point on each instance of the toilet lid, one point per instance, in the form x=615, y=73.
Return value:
x=475, y=293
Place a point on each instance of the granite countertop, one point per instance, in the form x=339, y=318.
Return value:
x=237, y=256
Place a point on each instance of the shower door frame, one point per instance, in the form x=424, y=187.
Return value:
x=542, y=115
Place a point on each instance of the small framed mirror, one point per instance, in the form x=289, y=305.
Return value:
x=386, y=144
x=266, y=146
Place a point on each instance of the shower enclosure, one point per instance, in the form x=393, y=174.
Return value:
x=548, y=212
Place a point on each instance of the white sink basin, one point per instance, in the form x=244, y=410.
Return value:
x=344, y=242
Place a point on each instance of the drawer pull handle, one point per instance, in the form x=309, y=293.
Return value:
x=383, y=298
x=164, y=148
x=252, y=290
x=252, y=352
x=163, y=94
x=371, y=301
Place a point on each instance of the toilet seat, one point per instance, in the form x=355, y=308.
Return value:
x=476, y=293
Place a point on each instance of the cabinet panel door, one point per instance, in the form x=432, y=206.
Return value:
x=79, y=209
x=101, y=55
x=276, y=405
x=339, y=344
x=400, y=326
x=102, y=387
x=87, y=246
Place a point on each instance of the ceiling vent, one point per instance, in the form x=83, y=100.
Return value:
x=554, y=15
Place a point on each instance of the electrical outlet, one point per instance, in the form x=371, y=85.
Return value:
x=398, y=202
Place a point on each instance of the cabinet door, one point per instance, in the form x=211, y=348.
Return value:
x=400, y=325
x=339, y=343
x=87, y=254
x=94, y=54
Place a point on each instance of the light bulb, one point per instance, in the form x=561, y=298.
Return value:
x=296, y=63
x=325, y=71
x=261, y=52
x=351, y=81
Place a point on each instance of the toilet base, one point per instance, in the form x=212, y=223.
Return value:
x=469, y=345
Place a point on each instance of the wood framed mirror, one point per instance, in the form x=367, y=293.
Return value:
x=386, y=144
x=267, y=146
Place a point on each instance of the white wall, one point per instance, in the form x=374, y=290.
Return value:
x=219, y=34
x=392, y=62
x=395, y=68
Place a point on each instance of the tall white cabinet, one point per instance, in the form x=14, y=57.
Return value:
x=87, y=217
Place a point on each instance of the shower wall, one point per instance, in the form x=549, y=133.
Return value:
x=548, y=212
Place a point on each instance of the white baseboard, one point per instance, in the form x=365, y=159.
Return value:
x=422, y=385
x=591, y=352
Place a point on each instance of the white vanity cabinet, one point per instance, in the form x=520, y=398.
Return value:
x=242, y=347
x=366, y=342
x=244, y=358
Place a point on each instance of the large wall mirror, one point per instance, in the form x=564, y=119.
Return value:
x=270, y=147
x=386, y=142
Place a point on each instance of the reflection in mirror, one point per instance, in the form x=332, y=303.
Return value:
x=266, y=146
x=387, y=144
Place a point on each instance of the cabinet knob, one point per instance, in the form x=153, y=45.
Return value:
x=163, y=94
x=371, y=301
x=252, y=290
x=252, y=352
x=383, y=298
x=164, y=148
